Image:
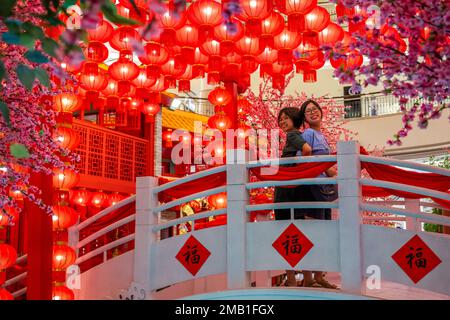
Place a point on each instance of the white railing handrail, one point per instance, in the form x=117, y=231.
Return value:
x=189, y=178
x=193, y=217
x=105, y=230
x=22, y=258
x=104, y=248
x=435, y=218
x=291, y=160
x=403, y=203
x=186, y=199
x=407, y=188
x=278, y=183
x=405, y=164
x=20, y=292
x=104, y=212
x=14, y=280
x=293, y=205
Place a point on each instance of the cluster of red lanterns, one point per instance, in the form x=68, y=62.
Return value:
x=98, y=199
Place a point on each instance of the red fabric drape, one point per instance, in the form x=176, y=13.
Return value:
x=299, y=171
x=198, y=185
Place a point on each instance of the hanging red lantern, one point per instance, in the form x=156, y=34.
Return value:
x=315, y=21
x=253, y=12
x=170, y=22
x=206, y=14
x=232, y=63
x=228, y=36
x=309, y=73
x=339, y=63
x=171, y=71
x=123, y=38
x=342, y=11
x=279, y=72
x=187, y=38
x=80, y=197
x=167, y=138
x=93, y=83
x=154, y=57
x=184, y=81
x=115, y=198
x=111, y=92
x=62, y=293
x=211, y=48
x=266, y=59
x=8, y=215
x=98, y=199
x=296, y=11
x=143, y=83
x=218, y=201
x=66, y=102
x=150, y=109
x=249, y=49
x=63, y=257
x=95, y=53
x=220, y=96
x=220, y=122
x=102, y=33
x=63, y=217
x=124, y=72
x=67, y=138
x=270, y=27
x=331, y=34
x=65, y=179
x=8, y=256
x=285, y=43
x=243, y=104
x=155, y=91
x=5, y=295
x=305, y=53
x=200, y=62
x=354, y=60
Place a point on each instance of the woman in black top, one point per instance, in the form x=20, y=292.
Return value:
x=289, y=121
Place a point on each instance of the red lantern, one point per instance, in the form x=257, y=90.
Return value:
x=155, y=91
x=67, y=138
x=296, y=11
x=5, y=295
x=305, y=53
x=249, y=49
x=354, y=60
x=285, y=42
x=124, y=72
x=63, y=257
x=211, y=48
x=93, y=83
x=155, y=56
x=8, y=215
x=200, y=61
x=98, y=199
x=111, y=92
x=342, y=11
x=123, y=38
x=184, y=82
x=218, y=201
x=253, y=12
x=64, y=217
x=228, y=37
x=62, y=293
x=270, y=27
x=66, y=102
x=279, y=71
x=220, y=121
x=310, y=74
x=232, y=65
x=80, y=197
x=171, y=71
x=317, y=19
x=150, y=109
x=187, y=38
x=143, y=83
x=206, y=14
x=243, y=104
x=170, y=22
x=102, y=33
x=220, y=96
x=115, y=198
x=65, y=179
x=8, y=256
x=331, y=34
x=95, y=53
x=266, y=59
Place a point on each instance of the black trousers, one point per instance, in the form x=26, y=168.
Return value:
x=299, y=193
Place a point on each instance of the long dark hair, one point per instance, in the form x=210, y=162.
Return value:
x=303, y=109
x=293, y=114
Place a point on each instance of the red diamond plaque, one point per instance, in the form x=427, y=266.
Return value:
x=292, y=245
x=416, y=259
x=193, y=255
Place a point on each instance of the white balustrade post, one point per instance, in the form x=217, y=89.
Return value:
x=237, y=218
x=412, y=223
x=350, y=244
x=144, y=236
x=263, y=278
